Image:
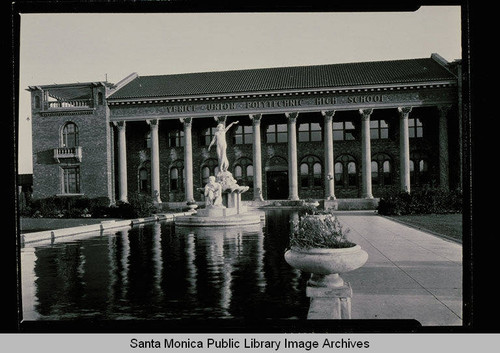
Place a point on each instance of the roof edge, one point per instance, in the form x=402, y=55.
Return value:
x=122, y=83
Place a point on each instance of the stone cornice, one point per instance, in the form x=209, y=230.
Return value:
x=285, y=93
x=67, y=112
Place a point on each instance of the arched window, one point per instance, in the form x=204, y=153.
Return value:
x=375, y=180
x=69, y=136
x=419, y=169
x=310, y=172
x=177, y=176
x=346, y=173
x=37, y=102
x=240, y=171
x=208, y=167
x=382, y=169
x=352, y=174
x=145, y=178
x=100, y=98
x=339, y=174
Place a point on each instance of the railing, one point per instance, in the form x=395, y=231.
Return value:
x=76, y=103
x=68, y=152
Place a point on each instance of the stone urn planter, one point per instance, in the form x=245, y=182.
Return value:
x=319, y=246
x=325, y=264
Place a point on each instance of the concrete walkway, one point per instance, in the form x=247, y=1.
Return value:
x=410, y=274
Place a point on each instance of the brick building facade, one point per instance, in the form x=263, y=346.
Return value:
x=323, y=132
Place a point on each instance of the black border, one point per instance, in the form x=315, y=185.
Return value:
x=480, y=297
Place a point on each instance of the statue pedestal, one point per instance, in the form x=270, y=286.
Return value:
x=216, y=212
x=232, y=212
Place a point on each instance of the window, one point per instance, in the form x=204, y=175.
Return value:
x=208, y=168
x=147, y=139
x=343, y=131
x=71, y=180
x=277, y=133
x=37, y=102
x=207, y=135
x=415, y=128
x=311, y=172
x=382, y=169
x=243, y=171
x=346, y=171
x=379, y=129
x=177, y=176
x=145, y=178
x=419, y=169
x=69, y=136
x=100, y=99
x=243, y=135
x=309, y=132
x=176, y=138
x=339, y=174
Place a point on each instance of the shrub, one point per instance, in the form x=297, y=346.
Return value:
x=319, y=231
x=421, y=202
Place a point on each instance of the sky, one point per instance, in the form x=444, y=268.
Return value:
x=67, y=48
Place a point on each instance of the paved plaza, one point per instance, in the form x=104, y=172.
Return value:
x=410, y=274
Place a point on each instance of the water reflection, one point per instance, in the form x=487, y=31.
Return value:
x=158, y=271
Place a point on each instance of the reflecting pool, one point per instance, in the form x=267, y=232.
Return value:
x=157, y=271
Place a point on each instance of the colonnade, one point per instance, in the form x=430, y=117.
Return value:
x=366, y=184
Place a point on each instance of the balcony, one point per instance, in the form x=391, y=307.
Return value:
x=69, y=104
x=68, y=153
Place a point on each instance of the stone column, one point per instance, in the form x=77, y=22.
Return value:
x=404, y=148
x=257, y=157
x=366, y=163
x=444, y=159
x=155, y=160
x=293, y=183
x=329, y=161
x=188, y=158
x=122, y=161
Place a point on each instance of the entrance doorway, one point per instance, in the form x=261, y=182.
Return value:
x=277, y=185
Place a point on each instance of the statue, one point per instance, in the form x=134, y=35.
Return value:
x=213, y=193
x=220, y=140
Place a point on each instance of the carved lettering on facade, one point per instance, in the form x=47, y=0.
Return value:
x=281, y=103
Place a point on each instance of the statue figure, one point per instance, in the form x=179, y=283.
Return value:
x=220, y=140
x=213, y=193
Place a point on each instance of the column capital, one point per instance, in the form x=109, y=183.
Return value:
x=186, y=121
x=255, y=118
x=404, y=111
x=220, y=119
x=365, y=113
x=328, y=114
x=444, y=109
x=119, y=124
x=292, y=117
x=153, y=122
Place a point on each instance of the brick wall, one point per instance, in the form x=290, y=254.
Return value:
x=94, y=138
x=137, y=152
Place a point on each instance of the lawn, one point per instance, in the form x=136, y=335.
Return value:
x=449, y=225
x=29, y=225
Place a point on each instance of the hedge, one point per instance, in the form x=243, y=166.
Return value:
x=138, y=205
x=421, y=202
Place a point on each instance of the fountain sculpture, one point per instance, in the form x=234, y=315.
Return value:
x=223, y=206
